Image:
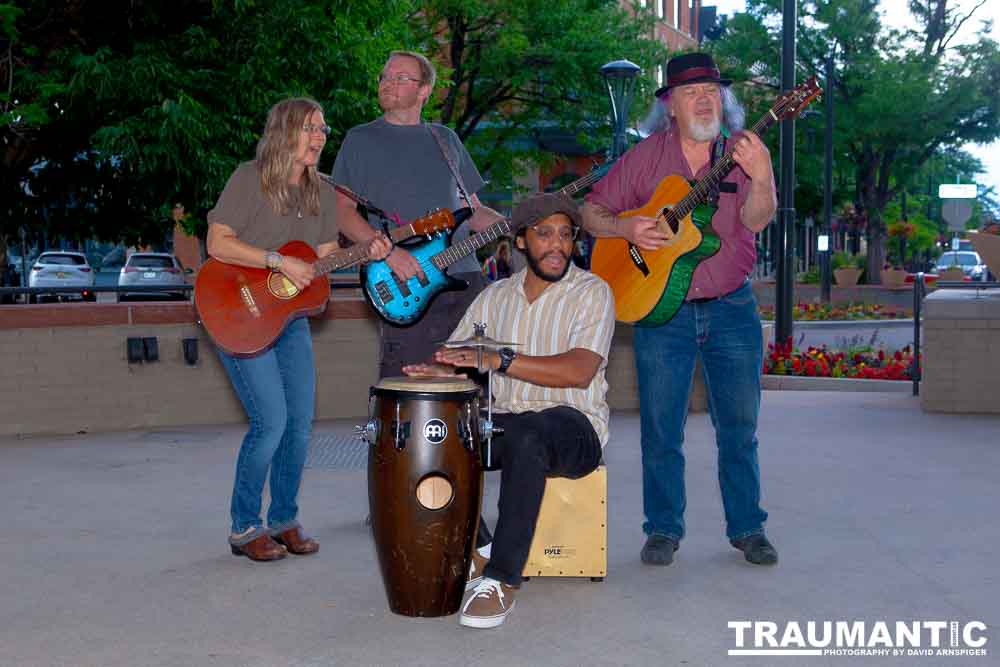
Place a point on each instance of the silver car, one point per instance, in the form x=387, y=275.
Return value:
x=968, y=260
x=153, y=269
x=62, y=269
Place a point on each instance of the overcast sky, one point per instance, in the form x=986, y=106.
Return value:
x=897, y=13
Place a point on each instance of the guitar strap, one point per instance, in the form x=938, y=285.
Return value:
x=718, y=150
x=451, y=163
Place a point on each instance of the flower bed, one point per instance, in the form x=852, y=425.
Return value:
x=860, y=363
x=821, y=312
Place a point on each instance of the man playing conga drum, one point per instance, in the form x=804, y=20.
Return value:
x=549, y=392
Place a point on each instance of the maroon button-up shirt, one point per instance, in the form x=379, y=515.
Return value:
x=631, y=182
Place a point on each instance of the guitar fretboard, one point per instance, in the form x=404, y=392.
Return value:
x=339, y=259
x=453, y=253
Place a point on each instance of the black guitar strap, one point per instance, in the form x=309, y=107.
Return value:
x=718, y=150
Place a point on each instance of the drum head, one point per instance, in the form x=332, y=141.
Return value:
x=427, y=385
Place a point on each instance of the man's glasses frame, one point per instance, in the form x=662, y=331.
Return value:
x=548, y=232
x=400, y=78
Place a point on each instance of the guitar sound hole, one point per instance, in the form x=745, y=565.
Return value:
x=672, y=221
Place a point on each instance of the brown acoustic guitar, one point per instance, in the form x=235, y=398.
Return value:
x=245, y=309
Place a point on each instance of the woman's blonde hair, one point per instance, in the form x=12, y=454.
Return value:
x=276, y=151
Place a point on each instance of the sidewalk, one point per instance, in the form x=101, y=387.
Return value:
x=114, y=551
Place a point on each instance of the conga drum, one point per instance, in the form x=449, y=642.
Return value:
x=425, y=486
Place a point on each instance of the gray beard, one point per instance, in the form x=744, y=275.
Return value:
x=704, y=131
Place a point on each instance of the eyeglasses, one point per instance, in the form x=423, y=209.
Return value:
x=309, y=128
x=397, y=78
x=548, y=232
x=693, y=91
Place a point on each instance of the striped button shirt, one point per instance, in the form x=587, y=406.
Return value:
x=577, y=311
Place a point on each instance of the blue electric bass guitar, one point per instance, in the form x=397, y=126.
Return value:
x=403, y=303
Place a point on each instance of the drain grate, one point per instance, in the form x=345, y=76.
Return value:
x=330, y=451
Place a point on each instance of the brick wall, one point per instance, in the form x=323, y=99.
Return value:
x=65, y=368
x=961, y=351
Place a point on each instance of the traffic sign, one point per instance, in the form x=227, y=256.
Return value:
x=956, y=212
x=957, y=191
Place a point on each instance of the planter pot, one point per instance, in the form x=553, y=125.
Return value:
x=893, y=277
x=846, y=276
x=988, y=247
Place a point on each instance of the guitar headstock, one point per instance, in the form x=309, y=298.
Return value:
x=795, y=100
x=435, y=221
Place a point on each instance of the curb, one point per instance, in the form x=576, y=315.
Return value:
x=806, y=383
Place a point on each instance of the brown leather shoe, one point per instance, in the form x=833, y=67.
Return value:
x=261, y=549
x=297, y=542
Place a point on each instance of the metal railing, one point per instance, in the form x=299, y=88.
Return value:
x=919, y=292
x=137, y=289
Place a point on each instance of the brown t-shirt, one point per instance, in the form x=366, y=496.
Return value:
x=243, y=207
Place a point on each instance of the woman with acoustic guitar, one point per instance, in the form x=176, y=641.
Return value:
x=277, y=198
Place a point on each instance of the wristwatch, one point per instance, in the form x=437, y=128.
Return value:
x=273, y=260
x=506, y=358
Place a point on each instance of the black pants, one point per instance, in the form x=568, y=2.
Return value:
x=416, y=344
x=557, y=442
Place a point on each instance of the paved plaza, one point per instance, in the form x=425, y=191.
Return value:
x=114, y=551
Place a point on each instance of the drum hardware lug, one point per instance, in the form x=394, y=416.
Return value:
x=401, y=431
x=368, y=432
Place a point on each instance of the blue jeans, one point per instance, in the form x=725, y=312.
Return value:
x=725, y=334
x=278, y=392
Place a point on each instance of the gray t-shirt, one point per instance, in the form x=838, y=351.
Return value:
x=243, y=207
x=401, y=170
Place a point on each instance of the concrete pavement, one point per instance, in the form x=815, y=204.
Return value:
x=114, y=552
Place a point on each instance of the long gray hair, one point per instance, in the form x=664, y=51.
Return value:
x=733, y=114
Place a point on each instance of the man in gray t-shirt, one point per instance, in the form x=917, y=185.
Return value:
x=396, y=163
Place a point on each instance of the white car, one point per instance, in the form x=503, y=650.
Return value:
x=62, y=268
x=153, y=269
x=968, y=260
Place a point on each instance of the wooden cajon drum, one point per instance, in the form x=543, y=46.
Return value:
x=571, y=536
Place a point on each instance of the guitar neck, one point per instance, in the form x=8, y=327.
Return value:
x=701, y=191
x=581, y=183
x=339, y=259
x=455, y=252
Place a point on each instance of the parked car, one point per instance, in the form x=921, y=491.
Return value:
x=968, y=260
x=153, y=269
x=61, y=268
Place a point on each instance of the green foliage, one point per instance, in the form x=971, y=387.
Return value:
x=902, y=98
x=518, y=71
x=157, y=103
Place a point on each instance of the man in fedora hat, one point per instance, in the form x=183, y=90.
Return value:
x=695, y=120
x=549, y=392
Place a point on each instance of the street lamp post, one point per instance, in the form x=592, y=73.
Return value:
x=619, y=76
x=786, y=212
x=827, y=181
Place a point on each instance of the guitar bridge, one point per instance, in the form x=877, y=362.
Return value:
x=383, y=291
x=636, y=256
x=249, y=301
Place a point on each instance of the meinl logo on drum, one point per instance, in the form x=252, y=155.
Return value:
x=435, y=431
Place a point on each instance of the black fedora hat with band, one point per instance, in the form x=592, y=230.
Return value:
x=691, y=68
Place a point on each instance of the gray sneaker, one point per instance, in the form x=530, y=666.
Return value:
x=659, y=550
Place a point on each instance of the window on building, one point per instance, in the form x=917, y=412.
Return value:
x=659, y=8
x=678, y=5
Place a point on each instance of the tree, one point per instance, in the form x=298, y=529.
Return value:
x=902, y=97
x=518, y=68
x=115, y=115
